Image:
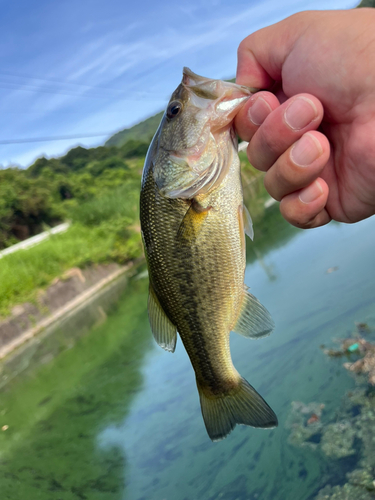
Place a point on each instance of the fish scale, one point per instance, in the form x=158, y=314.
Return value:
x=195, y=250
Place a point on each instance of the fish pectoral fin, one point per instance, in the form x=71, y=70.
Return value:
x=254, y=321
x=242, y=405
x=248, y=223
x=164, y=331
x=192, y=222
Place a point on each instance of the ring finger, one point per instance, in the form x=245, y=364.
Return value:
x=299, y=166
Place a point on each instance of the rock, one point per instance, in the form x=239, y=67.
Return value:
x=361, y=477
x=338, y=439
x=346, y=492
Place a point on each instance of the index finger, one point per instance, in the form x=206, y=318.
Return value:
x=253, y=114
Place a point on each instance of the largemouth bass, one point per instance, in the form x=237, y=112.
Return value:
x=193, y=224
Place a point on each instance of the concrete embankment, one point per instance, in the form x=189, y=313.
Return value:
x=63, y=297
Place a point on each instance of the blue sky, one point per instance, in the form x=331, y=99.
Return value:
x=83, y=67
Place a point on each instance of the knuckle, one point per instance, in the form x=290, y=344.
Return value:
x=270, y=142
x=241, y=48
x=271, y=185
x=244, y=46
x=253, y=157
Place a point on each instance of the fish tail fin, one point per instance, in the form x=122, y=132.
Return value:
x=242, y=405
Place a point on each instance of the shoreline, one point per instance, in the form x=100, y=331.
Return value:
x=66, y=295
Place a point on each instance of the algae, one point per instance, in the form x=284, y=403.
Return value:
x=347, y=441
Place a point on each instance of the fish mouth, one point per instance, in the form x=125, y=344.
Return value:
x=191, y=79
x=221, y=100
x=217, y=102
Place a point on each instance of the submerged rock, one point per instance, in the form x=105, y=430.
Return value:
x=346, y=492
x=338, y=438
x=363, y=478
x=365, y=365
x=351, y=434
x=305, y=424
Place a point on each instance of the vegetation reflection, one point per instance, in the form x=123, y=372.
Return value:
x=55, y=413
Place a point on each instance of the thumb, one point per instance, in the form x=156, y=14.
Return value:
x=262, y=54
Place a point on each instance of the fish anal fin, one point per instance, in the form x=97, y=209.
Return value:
x=254, y=321
x=192, y=222
x=243, y=405
x=164, y=331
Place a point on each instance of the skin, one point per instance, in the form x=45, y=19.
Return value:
x=313, y=131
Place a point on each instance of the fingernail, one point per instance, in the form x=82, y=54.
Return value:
x=311, y=193
x=259, y=111
x=300, y=113
x=306, y=150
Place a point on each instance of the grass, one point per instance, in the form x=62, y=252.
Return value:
x=24, y=272
x=120, y=202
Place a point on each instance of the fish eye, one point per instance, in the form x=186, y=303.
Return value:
x=174, y=109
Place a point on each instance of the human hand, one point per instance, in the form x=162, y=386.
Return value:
x=314, y=134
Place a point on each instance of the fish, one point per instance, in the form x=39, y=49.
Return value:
x=193, y=225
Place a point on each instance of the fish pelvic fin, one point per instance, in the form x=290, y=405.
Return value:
x=163, y=330
x=254, y=321
x=243, y=405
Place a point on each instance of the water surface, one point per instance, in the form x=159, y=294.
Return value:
x=109, y=415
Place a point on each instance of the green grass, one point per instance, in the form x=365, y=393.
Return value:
x=120, y=202
x=24, y=272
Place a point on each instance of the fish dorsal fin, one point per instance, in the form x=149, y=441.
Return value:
x=192, y=222
x=254, y=320
x=248, y=223
x=165, y=333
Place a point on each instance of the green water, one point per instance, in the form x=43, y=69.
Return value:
x=109, y=415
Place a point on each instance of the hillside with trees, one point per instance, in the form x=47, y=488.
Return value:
x=143, y=131
x=52, y=190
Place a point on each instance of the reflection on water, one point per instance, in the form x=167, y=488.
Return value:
x=56, y=411
x=115, y=417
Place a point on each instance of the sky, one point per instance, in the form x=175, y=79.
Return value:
x=76, y=69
